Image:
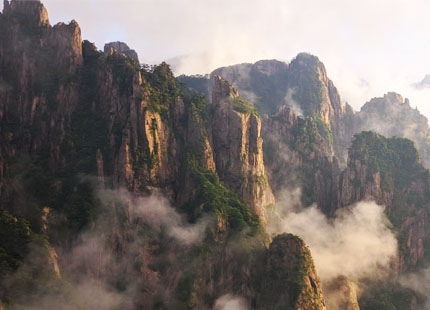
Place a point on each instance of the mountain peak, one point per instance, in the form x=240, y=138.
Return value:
x=394, y=97
x=121, y=48
x=222, y=89
x=33, y=11
x=307, y=59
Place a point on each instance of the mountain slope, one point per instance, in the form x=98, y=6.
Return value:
x=151, y=197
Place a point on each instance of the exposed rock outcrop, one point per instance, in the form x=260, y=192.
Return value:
x=296, y=157
x=263, y=82
x=312, y=89
x=69, y=112
x=121, y=48
x=392, y=116
x=238, y=147
x=315, y=95
x=289, y=258
x=341, y=294
x=30, y=11
x=389, y=172
x=38, y=89
x=303, y=85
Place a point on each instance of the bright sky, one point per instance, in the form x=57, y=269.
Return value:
x=369, y=47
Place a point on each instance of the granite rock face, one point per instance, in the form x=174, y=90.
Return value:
x=33, y=11
x=389, y=172
x=341, y=294
x=238, y=148
x=76, y=122
x=121, y=48
x=303, y=85
x=393, y=116
x=37, y=62
x=289, y=257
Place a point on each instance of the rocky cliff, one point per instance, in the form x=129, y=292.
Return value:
x=289, y=258
x=33, y=11
x=236, y=135
x=296, y=156
x=303, y=85
x=392, y=116
x=119, y=168
x=341, y=294
x=121, y=48
x=262, y=83
x=389, y=172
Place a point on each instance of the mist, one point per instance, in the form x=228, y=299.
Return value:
x=230, y=302
x=357, y=242
x=292, y=103
x=108, y=265
x=157, y=212
x=419, y=282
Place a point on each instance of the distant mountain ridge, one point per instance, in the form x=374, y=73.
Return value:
x=304, y=86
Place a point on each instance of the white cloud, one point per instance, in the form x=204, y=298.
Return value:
x=157, y=212
x=230, y=302
x=357, y=242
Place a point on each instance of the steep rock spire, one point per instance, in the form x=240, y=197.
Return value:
x=238, y=147
x=33, y=11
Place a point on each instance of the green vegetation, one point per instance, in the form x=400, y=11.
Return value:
x=197, y=103
x=304, y=79
x=163, y=89
x=397, y=160
x=199, y=83
x=19, y=273
x=387, y=295
x=141, y=158
x=308, y=143
x=305, y=141
x=269, y=90
x=305, y=137
x=243, y=106
x=213, y=196
x=209, y=194
x=289, y=265
x=15, y=235
x=184, y=292
x=123, y=71
x=395, y=156
x=324, y=129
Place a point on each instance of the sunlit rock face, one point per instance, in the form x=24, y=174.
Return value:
x=238, y=147
x=80, y=127
x=121, y=48
x=341, y=294
x=103, y=134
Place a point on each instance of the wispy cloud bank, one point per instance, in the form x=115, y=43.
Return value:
x=358, y=241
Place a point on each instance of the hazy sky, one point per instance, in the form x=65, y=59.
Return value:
x=369, y=47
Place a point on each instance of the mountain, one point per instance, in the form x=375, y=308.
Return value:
x=424, y=83
x=392, y=116
x=314, y=142
x=121, y=48
x=122, y=189
x=389, y=172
